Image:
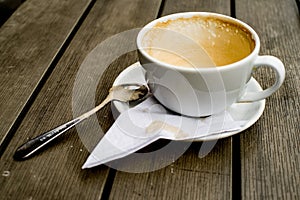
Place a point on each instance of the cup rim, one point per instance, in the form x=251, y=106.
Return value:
x=146, y=28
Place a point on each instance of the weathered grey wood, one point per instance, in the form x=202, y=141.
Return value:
x=217, y=6
x=189, y=177
x=29, y=41
x=270, y=150
x=56, y=173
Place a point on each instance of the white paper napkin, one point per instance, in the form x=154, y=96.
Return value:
x=150, y=121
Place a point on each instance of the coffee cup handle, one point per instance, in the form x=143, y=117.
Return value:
x=278, y=67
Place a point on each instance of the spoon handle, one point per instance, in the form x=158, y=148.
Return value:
x=34, y=145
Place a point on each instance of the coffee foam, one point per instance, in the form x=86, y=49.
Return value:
x=198, y=42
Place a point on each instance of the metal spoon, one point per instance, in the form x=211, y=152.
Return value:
x=123, y=93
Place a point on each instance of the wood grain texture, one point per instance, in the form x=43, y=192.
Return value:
x=56, y=173
x=189, y=177
x=270, y=150
x=29, y=41
x=217, y=6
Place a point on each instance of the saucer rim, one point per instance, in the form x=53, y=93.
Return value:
x=121, y=107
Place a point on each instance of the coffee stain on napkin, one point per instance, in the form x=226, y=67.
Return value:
x=157, y=126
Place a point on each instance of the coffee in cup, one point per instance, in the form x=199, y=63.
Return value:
x=198, y=41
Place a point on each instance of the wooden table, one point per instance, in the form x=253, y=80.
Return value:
x=42, y=47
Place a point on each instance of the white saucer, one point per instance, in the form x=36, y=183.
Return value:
x=249, y=112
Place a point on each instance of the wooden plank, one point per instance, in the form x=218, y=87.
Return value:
x=270, y=149
x=56, y=173
x=217, y=6
x=189, y=177
x=29, y=41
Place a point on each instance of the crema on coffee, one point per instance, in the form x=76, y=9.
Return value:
x=198, y=41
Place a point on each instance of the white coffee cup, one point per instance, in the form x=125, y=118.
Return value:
x=202, y=89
